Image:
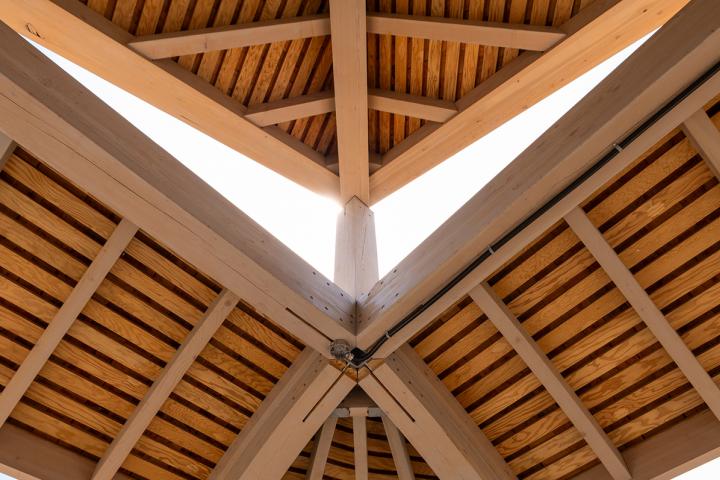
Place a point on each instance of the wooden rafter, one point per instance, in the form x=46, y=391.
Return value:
x=323, y=441
x=360, y=447
x=645, y=308
x=164, y=385
x=90, y=40
x=7, y=147
x=285, y=110
x=64, y=125
x=704, y=136
x=347, y=25
x=589, y=130
x=433, y=109
x=399, y=451
x=432, y=420
x=287, y=419
x=64, y=318
x=524, y=82
x=543, y=368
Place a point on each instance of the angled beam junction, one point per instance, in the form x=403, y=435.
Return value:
x=398, y=448
x=64, y=318
x=360, y=447
x=645, y=308
x=164, y=385
x=287, y=419
x=586, y=133
x=523, y=37
x=321, y=450
x=420, y=405
x=705, y=138
x=511, y=328
x=7, y=147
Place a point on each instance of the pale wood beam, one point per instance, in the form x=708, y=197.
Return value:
x=705, y=138
x=524, y=82
x=288, y=109
x=347, y=25
x=356, y=263
x=323, y=441
x=420, y=405
x=287, y=419
x=81, y=138
x=523, y=37
x=546, y=372
x=65, y=316
x=88, y=39
x=163, y=386
x=586, y=133
x=433, y=109
x=645, y=308
x=360, y=447
x=398, y=448
x=167, y=45
x=7, y=147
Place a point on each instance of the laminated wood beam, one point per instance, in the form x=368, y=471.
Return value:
x=321, y=450
x=577, y=141
x=511, y=328
x=398, y=448
x=65, y=316
x=7, y=147
x=360, y=447
x=347, y=25
x=705, y=137
x=163, y=386
x=524, y=82
x=167, y=45
x=88, y=39
x=420, y=405
x=523, y=37
x=433, y=109
x=287, y=419
x=77, y=135
x=271, y=113
x=356, y=262
x=645, y=308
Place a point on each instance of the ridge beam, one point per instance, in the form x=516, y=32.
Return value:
x=356, y=262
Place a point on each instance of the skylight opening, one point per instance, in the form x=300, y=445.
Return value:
x=408, y=216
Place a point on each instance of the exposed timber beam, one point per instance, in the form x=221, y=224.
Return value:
x=288, y=109
x=321, y=450
x=7, y=147
x=645, y=308
x=347, y=25
x=524, y=82
x=167, y=45
x=360, y=447
x=523, y=37
x=356, y=263
x=65, y=316
x=76, y=134
x=399, y=450
x=287, y=419
x=420, y=405
x=705, y=137
x=603, y=118
x=88, y=39
x=546, y=372
x=163, y=386
x=433, y=109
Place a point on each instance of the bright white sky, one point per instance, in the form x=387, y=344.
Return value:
x=305, y=222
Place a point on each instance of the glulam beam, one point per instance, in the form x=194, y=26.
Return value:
x=7, y=147
x=399, y=451
x=321, y=449
x=705, y=137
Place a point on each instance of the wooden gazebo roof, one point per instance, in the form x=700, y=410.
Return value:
x=565, y=323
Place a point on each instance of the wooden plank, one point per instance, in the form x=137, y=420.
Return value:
x=567, y=150
x=433, y=109
x=163, y=386
x=645, y=308
x=513, y=89
x=286, y=421
x=403, y=465
x=66, y=315
x=347, y=20
x=418, y=403
x=356, y=263
x=550, y=377
x=174, y=44
x=319, y=456
x=81, y=142
x=84, y=37
x=704, y=136
x=285, y=110
x=525, y=37
x=360, y=446
x=7, y=147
